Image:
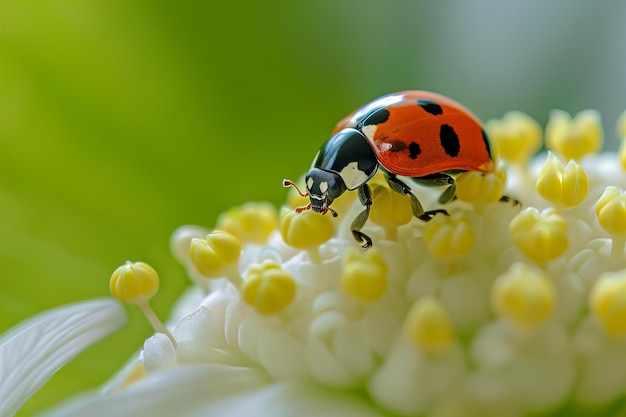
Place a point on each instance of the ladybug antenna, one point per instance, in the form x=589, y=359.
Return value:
x=333, y=212
x=289, y=183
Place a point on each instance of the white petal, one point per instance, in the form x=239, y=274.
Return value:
x=219, y=391
x=158, y=352
x=282, y=355
x=34, y=350
x=180, y=391
x=409, y=383
x=296, y=398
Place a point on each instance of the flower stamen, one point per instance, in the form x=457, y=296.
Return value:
x=542, y=237
x=575, y=137
x=217, y=256
x=306, y=230
x=389, y=210
x=566, y=186
x=364, y=274
x=268, y=288
x=524, y=295
x=136, y=283
x=427, y=326
x=611, y=212
x=608, y=302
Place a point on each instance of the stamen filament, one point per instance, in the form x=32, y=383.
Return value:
x=155, y=322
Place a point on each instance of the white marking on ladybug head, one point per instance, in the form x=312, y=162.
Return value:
x=369, y=131
x=323, y=186
x=309, y=183
x=352, y=176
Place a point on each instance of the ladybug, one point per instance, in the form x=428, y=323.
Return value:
x=416, y=134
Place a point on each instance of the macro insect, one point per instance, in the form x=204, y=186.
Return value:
x=417, y=134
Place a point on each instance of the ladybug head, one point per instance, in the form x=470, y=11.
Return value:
x=323, y=187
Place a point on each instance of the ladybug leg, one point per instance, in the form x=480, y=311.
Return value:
x=439, y=180
x=513, y=201
x=365, y=196
x=418, y=211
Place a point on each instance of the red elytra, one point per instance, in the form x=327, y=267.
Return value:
x=424, y=133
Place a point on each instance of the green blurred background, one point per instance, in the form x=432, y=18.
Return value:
x=121, y=120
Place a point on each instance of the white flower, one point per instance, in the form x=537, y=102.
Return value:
x=495, y=310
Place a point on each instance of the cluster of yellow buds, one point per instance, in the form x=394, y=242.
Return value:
x=492, y=293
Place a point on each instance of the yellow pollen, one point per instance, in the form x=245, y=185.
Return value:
x=574, y=138
x=250, y=223
x=389, y=209
x=607, y=302
x=427, y=326
x=542, y=237
x=479, y=188
x=523, y=295
x=364, y=274
x=306, y=230
x=611, y=211
x=212, y=256
x=567, y=185
x=516, y=137
x=448, y=237
x=136, y=283
x=268, y=288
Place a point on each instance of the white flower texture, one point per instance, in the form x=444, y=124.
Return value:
x=495, y=310
x=31, y=352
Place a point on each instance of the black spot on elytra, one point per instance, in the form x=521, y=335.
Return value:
x=430, y=107
x=487, y=144
x=414, y=150
x=449, y=140
x=377, y=117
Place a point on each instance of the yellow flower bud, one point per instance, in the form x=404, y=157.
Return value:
x=542, y=237
x=389, y=209
x=306, y=230
x=134, y=283
x=611, y=211
x=622, y=154
x=268, y=288
x=564, y=185
x=478, y=187
x=427, y=326
x=449, y=237
x=252, y=222
x=574, y=138
x=524, y=295
x=364, y=274
x=516, y=137
x=211, y=255
x=607, y=302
